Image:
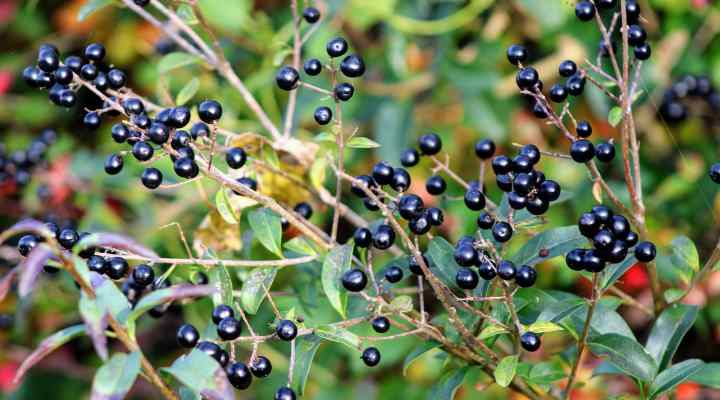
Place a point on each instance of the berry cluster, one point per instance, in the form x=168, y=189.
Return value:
x=19, y=165
x=684, y=94
x=611, y=237
x=637, y=37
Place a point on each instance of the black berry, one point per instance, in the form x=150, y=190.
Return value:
x=381, y=324
x=151, y=178
x=311, y=15
x=645, y=251
x=187, y=336
x=409, y=158
x=323, y=115
x=344, y=91
x=516, y=54
x=261, y=367
x=394, y=274
x=337, y=47
x=371, y=356
x=525, y=276
x=354, y=280
x=286, y=330
x=287, y=78
x=585, y=11
x=313, y=67
x=466, y=279
x=485, y=149
x=229, y=328
x=530, y=341
x=582, y=151
x=352, y=66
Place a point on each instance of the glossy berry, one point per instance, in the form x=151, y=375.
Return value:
x=151, y=178
x=527, y=78
x=631, y=239
x=185, y=167
x=158, y=133
x=549, y=191
x=474, y=200
x=574, y=259
x=605, y=4
x=589, y=224
x=523, y=184
x=583, y=129
x=236, y=157
x=516, y=201
x=582, y=151
x=539, y=110
x=465, y=254
x=323, y=115
x=286, y=330
x=575, y=85
x=89, y=72
x=113, y=164
x=116, y=79
x=354, y=280
x=362, y=237
x=530, y=341
x=714, y=172
x=414, y=265
x=485, y=149
x=603, y=213
x=337, y=47
x=485, y=220
x=117, y=267
x=352, y=66
x=239, y=375
x=567, y=68
x=67, y=238
x=537, y=206
x=410, y=206
x=435, y=185
x=502, y=231
x=430, y=144
x=592, y=262
x=466, y=279
x=603, y=240
x=383, y=172
x=605, y=152
x=304, y=210
x=313, y=67
x=48, y=60
x=381, y=324
x=92, y=120
x=63, y=75
x=287, y=78
x=409, y=158
x=261, y=367
x=344, y=91
x=525, y=276
x=642, y=52
x=221, y=312
x=284, y=393
x=371, y=356
x=26, y=244
x=401, y=180
x=361, y=183
x=394, y=274
x=229, y=328
x=311, y=15
x=558, y=93
x=506, y=270
x=645, y=251
x=142, y=151
x=585, y=11
x=97, y=264
x=636, y=35
x=143, y=275
x=95, y=52
x=187, y=336
x=213, y=350
x=516, y=54
x=502, y=165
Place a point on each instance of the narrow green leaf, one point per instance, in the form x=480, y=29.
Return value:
x=267, y=228
x=202, y=375
x=114, y=379
x=613, y=272
x=219, y=277
x=222, y=203
x=615, y=116
x=176, y=60
x=668, y=331
x=187, y=92
x=492, y=330
x=336, y=263
x=306, y=347
x=253, y=289
x=338, y=335
x=505, y=371
x=90, y=7
x=449, y=383
x=440, y=254
x=626, y=354
x=674, y=376
x=96, y=323
x=557, y=241
x=359, y=142
x=167, y=295
x=325, y=137
x=301, y=245
x=418, y=351
x=547, y=372
x=47, y=346
x=709, y=375
x=544, y=327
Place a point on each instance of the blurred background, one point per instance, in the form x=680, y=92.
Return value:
x=449, y=76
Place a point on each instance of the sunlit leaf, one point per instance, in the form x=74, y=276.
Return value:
x=114, y=379
x=505, y=371
x=336, y=263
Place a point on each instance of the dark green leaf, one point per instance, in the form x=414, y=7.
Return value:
x=505, y=371
x=418, y=351
x=267, y=228
x=613, y=272
x=626, y=354
x=440, y=254
x=115, y=378
x=306, y=347
x=557, y=241
x=668, y=331
x=492, y=330
x=47, y=346
x=336, y=263
x=202, y=374
x=673, y=376
x=449, y=383
x=547, y=372
x=253, y=289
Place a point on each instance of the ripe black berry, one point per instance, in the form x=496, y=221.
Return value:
x=383, y=173
x=362, y=237
x=185, y=167
x=589, y=225
x=67, y=238
x=465, y=254
x=89, y=72
x=311, y=15
x=525, y=276
x=592, y=262
x=285, y=393
x=605, y=4
x=114, y=164
x=530, y=341
x=92, y=120
x=97, y=264
x=645, y=251
x=26, y=244
x=527, y=78
x=381, y=324
x=344, y=91
x=619, y=226
x=337, y=47
x=631, y=239
x=229, y=328
x=474, y=200
x=502, y=165
x=286, y=330
x=116, y=267
x=502, y=231
x=506, y=270
x=236, y=157
x=636, y=35
x=585, y=11
x=179, y=117
x=143, y=275
x=158, y=133
x=558, y=93
x=213, y=350
x=523, y=184
x=261, y=367
x=142, y=151
x=352, y=66
x=287, y=78
x=420, y=225
x=151, y=178
x=603, y=213
x=466, y=279
x=642, y=52
x=371, y=356
x=221, y=312
x=210, y=111
x=549, y=190
x=95, y=52
x=410, y=206
x=582, y=151
x=101, y=82
x=487, y=271
x=539, y=110
x=239, y=375
x=48, y=60
x=187, y=336
x=715, y=172
x=575, y=85
x=409, y=158
x=516, y=54
x=485, y=220
x=415, y=267
x=63, y=75
x=181, y=139
x=323, y=115
x=354, y=280
x=567, y=68
x=537, y=206
x=435, y=185
x=116, y=78
x=401, y=180
x=120, y=133
x=485, y=149
x=516, y=201
x=430, y=144
x=312, y=67
x=574, y=259
x=360, y=182
x=394, y=274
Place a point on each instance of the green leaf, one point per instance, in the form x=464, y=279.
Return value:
x=115, y=378
x=112, y=300
x=418, y=351
x=709, y=375
x=96, y=323
x=47, y=346
x=222, y=203
x=167, y=295
x=492, y=330
x=615, y=116
x=202, y=375
x=626, y=354
x=613, y=272
x=267, y=228
x=187, y=92
x=90, y=7
x=449, y=383
x=402, y=304
x=440, y=254
x=305, y=349
x=359, y=142
x=684, y=253
x=231, y=16
x=544, y=327
x=336, y=263
x=338, y=335
x=545, y=373
x=505, y=371
x=557, y=241
x=219, y=277
x=668, y=331
x=253, y=289
x=301, y=245
x=325, y=137
x=176, y=60
x=674, y=376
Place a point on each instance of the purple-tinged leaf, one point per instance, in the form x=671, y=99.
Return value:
x=167, y=295
x=26, y=226
x=6, y=283
x=31, y=268
x=115, y=241
x=202, y=375
x=96, y=322
x=115, y=378
x=47, y=346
